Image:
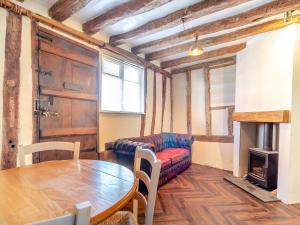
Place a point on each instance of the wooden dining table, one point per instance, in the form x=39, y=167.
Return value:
x=51, y=189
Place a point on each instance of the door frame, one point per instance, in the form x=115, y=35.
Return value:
x=35, y=29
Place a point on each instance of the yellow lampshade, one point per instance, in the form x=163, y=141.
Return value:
x=195, y=49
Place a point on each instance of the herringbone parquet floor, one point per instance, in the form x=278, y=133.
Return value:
x=200, y=195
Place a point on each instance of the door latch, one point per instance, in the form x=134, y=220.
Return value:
x=44, y=73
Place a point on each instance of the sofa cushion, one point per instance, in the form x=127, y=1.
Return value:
x=165, y=160
x=174, y=140
x=175, y=154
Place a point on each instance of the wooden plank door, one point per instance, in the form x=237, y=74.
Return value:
x=67, y=98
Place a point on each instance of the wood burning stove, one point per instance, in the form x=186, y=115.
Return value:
x=263, y=162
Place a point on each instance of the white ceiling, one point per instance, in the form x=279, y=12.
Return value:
x=97, y=7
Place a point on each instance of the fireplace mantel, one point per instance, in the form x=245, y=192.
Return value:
x=283, y=116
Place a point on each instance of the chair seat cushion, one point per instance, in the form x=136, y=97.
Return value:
x=175, y=154
x=165, y=160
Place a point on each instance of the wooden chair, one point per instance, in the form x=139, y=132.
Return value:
x=150, y=183
x=45, y=146
x=127, y=218
x=81, y=217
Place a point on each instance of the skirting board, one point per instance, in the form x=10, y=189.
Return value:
x=252, y=189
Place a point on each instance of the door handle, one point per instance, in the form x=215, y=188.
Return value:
x=46, y=113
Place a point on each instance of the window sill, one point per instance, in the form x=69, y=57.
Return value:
x=122, y=112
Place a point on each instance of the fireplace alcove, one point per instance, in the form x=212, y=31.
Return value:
x=256, y=151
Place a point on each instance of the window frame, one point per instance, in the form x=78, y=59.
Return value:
x=142, y=78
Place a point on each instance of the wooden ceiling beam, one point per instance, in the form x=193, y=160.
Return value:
x=257, y=14
x=135, y=59
x=131, y=8
x=211, y=64
x=233, y=36
x=63, y=9
x=80, y=35
x=195, y=11
x=206, y=55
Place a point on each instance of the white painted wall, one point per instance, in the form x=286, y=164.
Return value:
x=167, y=114
x=267, y=79
x=179, y=103
x=293, y=193
x=264, y=72
x=218, y=155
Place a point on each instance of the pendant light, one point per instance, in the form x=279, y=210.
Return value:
x=195, y=49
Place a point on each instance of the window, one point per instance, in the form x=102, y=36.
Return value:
x=122, y=86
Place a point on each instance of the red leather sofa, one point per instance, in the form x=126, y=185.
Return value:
x=174, y=151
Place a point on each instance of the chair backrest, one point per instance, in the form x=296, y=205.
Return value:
x=81, y=217
x=45, y=146
x=150, y=183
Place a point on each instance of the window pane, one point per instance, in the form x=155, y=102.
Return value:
x=111, y=98
x=112, y=68
x=132, y=73
x=132, y=97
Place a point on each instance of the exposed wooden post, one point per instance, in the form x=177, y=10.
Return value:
x=189, y=101
x=143, y=117
x=171, y=104
x=207, y=99
x=153, y=105
x=164, y=87
x=230, y=121
x=11, y=85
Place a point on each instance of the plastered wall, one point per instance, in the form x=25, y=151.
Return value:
x=218, y=155
x=267, y=79
x=116, y=125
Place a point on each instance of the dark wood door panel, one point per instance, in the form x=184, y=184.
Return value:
x=54, y=71
x=59, y=73
x=87, y=85
x=71, y=113
x=84, y=114
x=68, y=96
x=67, y=48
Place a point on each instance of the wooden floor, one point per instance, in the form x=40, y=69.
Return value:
x=200, y=195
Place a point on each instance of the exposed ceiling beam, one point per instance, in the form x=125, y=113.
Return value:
x=190, y=13
x=80, y=35
x=131, y=8
x=253, y=15
x=63, y=9
x=206, y=55
x=233, y=36
x=214, y=63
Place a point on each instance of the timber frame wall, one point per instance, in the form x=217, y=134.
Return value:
x=206, y=67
